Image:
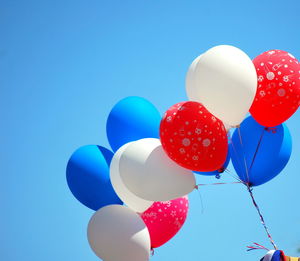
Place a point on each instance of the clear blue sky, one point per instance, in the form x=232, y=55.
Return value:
x=64, y=64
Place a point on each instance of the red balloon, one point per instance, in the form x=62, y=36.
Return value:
x=165, y=219
x=278, y=90
x=193, y=137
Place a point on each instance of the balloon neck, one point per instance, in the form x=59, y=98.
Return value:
x=152, y=251
x=271, y=129
x=221, y=170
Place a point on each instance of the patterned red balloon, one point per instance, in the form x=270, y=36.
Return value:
x=165, y=219
x=193, y=137
x=278, y=90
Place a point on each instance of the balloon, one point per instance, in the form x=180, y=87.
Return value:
x=278, y=93
x=276, y=255
x=265, y=150
x=131, y=200
x=193, y=137
x=88, y=177
x=225, y=83
x=190, y=75
x=216, y=172
x=116, y=233
x=227, y=127
x=150, y=174
x=164, y=219
x=131, y=119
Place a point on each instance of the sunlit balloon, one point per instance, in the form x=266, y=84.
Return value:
x=131, y=200
x=88, y=177
x=131, y=119
x=165, y=218
x=278, y=93
x=149, y=173
x=116, y=233
x=225, y=82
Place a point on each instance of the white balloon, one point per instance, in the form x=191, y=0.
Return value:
x=190, y=75
x=269, y=255
x=116, y=233
x=131, y=200
x=225, y=82
x=227, y=127
x=149, y=173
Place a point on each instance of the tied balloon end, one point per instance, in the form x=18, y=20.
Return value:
x=249, y=186
x=271, y=129
x=221, y=170
x=152, y=251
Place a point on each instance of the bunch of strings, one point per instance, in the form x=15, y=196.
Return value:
x=247, y=184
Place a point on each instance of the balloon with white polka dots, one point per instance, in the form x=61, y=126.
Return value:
x=278, y=87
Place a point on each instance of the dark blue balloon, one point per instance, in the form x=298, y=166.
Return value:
x=88, y=177
x=216, y=172
x=265, y=151
x=132, y=118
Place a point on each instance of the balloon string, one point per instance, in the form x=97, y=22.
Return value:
x=235, y=152
x=249, y=188
x=152, y=252
x=257, y=247
x=245, y=162
x=257, y=148
x=219, y=183
x=261, y=216
x=201, y=200
x=209, y=184
x=233, y=176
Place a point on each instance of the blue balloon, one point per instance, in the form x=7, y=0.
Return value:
x=132, y=118
x=88, y=177
x=264, y=151
x=216, y=172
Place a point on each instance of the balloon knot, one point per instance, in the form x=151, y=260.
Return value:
x=218, y=176
x=221, y=170
x=197, y=187
x=250, y=188
x=271, y=129
x=152, y=252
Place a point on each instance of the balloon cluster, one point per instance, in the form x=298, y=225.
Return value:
x=152, y=168
x=278, y=255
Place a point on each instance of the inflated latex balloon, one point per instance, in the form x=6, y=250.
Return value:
x=88, y=177
x=258, y=154
x=225, y=82
x=278, y=93
x=116, y=233
x=164, y=219
x=218, y=171
x=276, y=255
x=190, y=75
x=227, y=127
x=131, y=200
x=193, y=137
x=131, y=119
x=149, y=173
